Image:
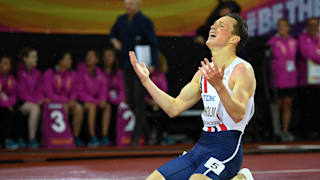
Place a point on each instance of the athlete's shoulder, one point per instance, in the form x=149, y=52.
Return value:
x=243, y=70
x=243, y=65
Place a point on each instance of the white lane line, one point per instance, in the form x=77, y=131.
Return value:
x=286, y=171
x=287, y=147
x=88, y=178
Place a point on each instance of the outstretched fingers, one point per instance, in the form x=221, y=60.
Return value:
x=203, y=70
x=210, y=68
x=143, y=65
x=214, y=63
x=215, y=67
x=133, y=60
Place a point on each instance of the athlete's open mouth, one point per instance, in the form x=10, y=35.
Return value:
x=212, y=34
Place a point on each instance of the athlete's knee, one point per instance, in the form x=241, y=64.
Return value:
x=199, y=177
x=155, y=175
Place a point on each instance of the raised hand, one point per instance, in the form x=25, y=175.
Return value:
x=141, y=70
x=116, y=44
x=212, y=73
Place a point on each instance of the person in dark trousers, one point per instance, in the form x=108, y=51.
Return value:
x=308, y=80
x=284, y=73
x=130, y=30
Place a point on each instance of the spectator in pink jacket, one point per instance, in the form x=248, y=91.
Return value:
x=82, y=66
x=309, y=78
x=8, y=99
x=115, y=91
x=309, y=46
x=61, y=86
x=284, y=50
x=30, y=91
x=93, y=93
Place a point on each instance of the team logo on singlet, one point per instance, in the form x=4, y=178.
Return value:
x=206, y=97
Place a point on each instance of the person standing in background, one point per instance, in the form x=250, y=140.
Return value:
x=8, y=99
x=116, y=92
x=309, y=77
x=129, y=30
x=61, y=86
x=30, y=91
x=93, y=93
x=284, y=50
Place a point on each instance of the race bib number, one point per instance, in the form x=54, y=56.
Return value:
x=215, y=165
x=313, y=72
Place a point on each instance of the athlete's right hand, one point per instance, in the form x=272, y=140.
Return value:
x=141, y=70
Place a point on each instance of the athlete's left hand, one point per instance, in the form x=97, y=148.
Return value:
x=141, y=70
x=212, y=73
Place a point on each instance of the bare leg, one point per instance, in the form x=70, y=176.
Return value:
x=106, y=117
x=286, y=113
x=279, y=107
x=199, y=177
x=34, y=113
x=239, y=177
x=91, y=108
x=77, y=119
x=155, y=175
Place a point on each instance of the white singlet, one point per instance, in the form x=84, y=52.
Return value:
x=214, y=116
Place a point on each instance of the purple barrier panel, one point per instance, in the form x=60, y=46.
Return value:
x=125, y=125
x=56, y=132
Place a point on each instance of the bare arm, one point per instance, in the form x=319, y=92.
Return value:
x=244, y=87
x=189, y=95
x=244, y=84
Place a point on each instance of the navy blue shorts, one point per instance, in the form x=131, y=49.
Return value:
x=217, y=155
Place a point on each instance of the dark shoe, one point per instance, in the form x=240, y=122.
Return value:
x=78, y=142
x=94, y=142
x=22, y=143
x=105, y=141
x=168, y=141
x=34, y=144
x=11, y=144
